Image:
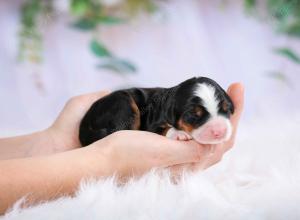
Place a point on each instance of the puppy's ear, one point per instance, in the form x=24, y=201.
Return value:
x=229, y=104
x=226, y=99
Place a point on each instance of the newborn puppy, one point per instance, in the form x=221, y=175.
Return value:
x=197, y=109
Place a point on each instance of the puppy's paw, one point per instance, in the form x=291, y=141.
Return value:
x=178, y=135
x=182, y=136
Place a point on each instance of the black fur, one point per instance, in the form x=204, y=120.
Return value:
x=158, y=108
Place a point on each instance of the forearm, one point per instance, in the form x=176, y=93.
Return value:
x=48, y=177
x=22, y=146
x=35, y=144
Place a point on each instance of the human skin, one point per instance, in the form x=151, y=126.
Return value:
x=44, y=171
x=61, y=136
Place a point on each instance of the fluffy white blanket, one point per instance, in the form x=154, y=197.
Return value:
x=258, y=179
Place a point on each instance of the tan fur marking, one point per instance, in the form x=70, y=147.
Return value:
x=137, y=115
x=185, y=126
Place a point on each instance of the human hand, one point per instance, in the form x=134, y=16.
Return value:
x=216, y=152
x=135, y=152
x=61, y=136
x=64, y=131
x=125, y=153
x=236, y=93
x=131, y=153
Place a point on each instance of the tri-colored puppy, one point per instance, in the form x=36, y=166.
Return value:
x=197, y=109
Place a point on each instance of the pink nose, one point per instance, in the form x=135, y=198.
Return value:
x=218, y=133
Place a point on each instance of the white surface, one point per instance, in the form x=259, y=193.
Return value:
x=258, y=179
x=190, y=38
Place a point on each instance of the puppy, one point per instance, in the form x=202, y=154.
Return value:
x=197, y=108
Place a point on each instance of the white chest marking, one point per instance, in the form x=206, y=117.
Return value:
x=207, y=94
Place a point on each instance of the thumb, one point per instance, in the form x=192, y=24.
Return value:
x=236, y=93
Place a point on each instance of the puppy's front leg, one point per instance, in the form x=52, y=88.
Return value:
x=180, y=135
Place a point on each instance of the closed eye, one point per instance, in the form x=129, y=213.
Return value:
x=196, y=116
x=198, y=111
x=226, y=107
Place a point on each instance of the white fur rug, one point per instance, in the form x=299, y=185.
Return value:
x=258, y=179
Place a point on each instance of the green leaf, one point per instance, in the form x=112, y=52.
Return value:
x=135, y=6
x=277, y=75
x=110, y=20
x=280, y=76
x=249, y=4
x=99, y=49
x=126, y=65
x=85, y=24
x=293, y=30
x=288, y=53
x=29, y=13
x=150, y=6
x=79, y=7
x=110, y=66
x=119, y=66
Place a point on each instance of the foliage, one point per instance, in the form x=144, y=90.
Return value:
x=284, y=16
x=288, y=53
x=89, y=16
x=30, y=37
x=111, y=62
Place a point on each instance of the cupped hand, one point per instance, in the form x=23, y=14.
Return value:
x=64, y=131
x=138, y=151
x=216, y=152
x=236, y=93
x=131, y=153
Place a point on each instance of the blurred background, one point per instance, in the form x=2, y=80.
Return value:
x=51, y=50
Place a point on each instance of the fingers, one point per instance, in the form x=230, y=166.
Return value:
x=192, y=155
x=92, y=97
x=97, y=95
x=212, y=155
x=155, y=150
x=82, y=103
x=203, y=157
x=215, y=155
x=183, y=152
x=236, y=93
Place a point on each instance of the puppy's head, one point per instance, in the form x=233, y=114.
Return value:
x=203, y=110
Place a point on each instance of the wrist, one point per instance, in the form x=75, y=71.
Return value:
x=39, y=143
x=34, y=144
x=57, y=141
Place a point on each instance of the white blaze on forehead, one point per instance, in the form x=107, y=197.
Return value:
x=207, y=93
